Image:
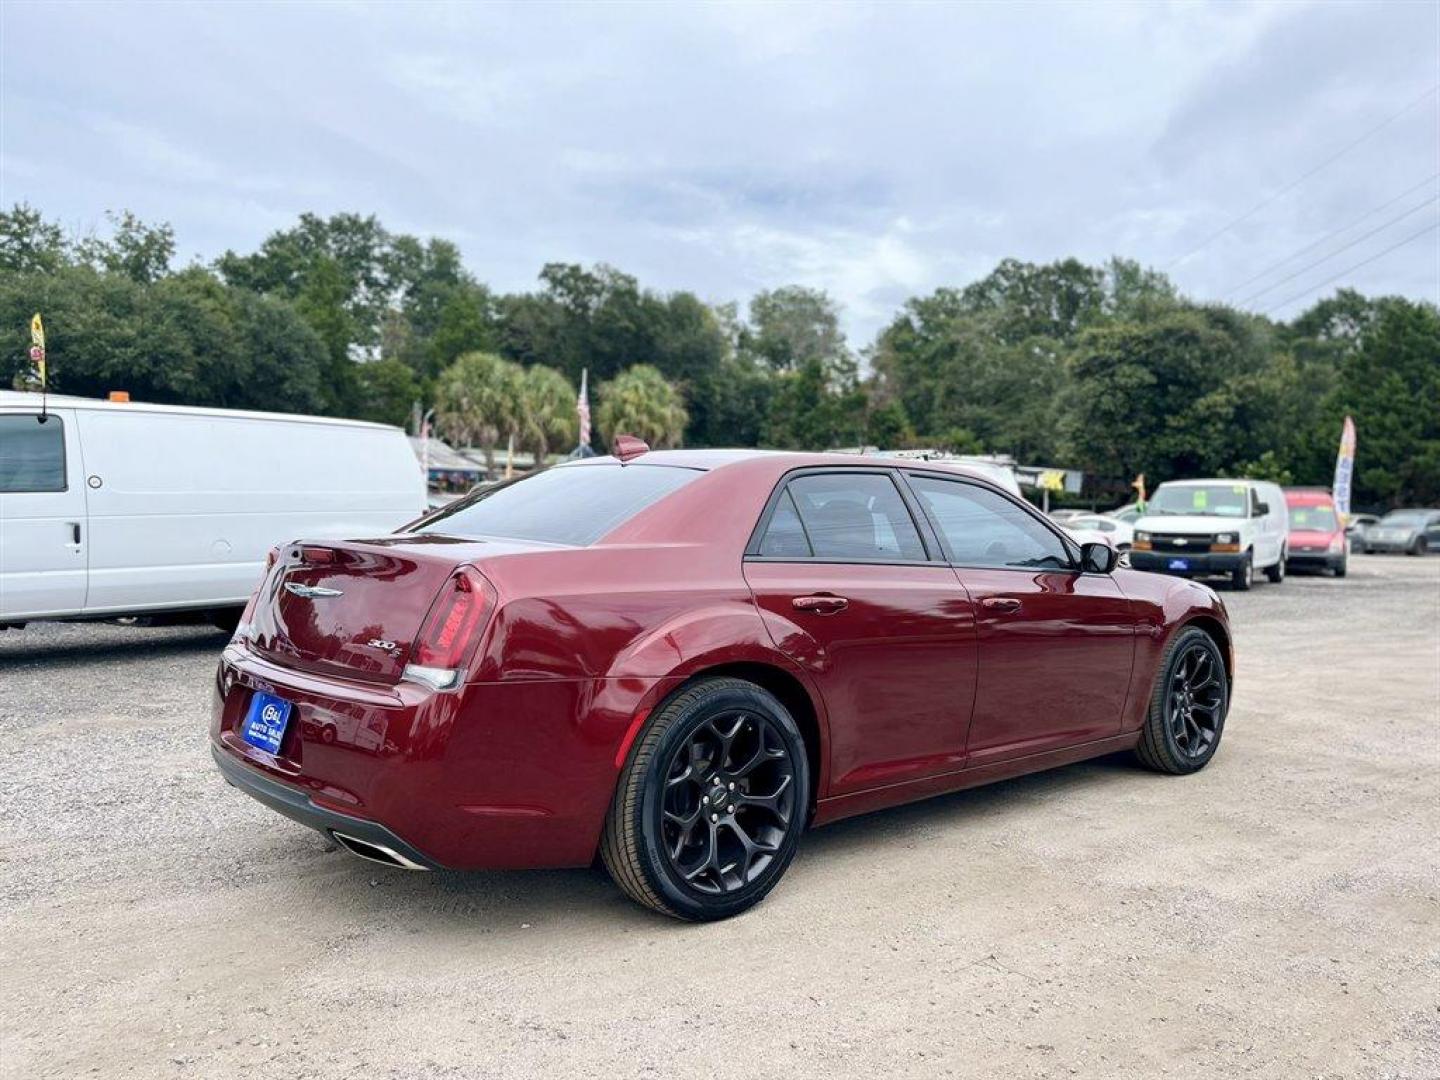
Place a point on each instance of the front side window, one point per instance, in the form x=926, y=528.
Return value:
x=843, y=516
x=983, y=528
x=575, y=504
x=32, y=454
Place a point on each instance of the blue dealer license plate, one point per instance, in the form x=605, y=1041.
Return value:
x=264, y=725
x=1179, y=564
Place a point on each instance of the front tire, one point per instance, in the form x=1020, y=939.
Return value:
x=709, y=809
x=1276, y=574
x=1243, y=576
x=1187, y=707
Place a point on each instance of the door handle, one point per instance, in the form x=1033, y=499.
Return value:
x=75, y=534
x=821, y=604
x=1001, y=603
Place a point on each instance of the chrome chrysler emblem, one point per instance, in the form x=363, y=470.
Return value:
x=311, y=592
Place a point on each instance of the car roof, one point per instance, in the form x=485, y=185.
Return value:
x=1308, y=497
x=709, y=460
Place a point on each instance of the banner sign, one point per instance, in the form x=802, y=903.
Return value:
x=37, y=346
x=1344, y=470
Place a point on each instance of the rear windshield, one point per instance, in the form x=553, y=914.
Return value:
x=1314, y=518
x=574, y=504
x=1208, y=500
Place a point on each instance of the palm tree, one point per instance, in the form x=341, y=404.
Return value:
x=640, y=402
x=548, y=407
x=478, y=402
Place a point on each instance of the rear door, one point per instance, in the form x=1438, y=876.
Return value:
x=1056, y=645
x=853, y=594
x=43, y=532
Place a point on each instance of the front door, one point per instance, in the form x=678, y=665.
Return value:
x=851, y=593
x=43, y=543
x=1056, y=645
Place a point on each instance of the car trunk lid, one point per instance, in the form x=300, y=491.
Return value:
x=355, y=608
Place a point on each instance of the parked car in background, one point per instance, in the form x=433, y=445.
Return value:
x=1357, y=528
x=1206, y=528
x=111, y=508
x=1412, y=531
x=678, y=661
x=1062, y=516
x=1118, y=534
x=1129, y=513
x=1317, y=539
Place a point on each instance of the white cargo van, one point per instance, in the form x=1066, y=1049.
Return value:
x=1200, y=528
x=117, y=508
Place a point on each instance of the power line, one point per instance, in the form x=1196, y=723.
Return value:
x=1333, y=233
x=1326, y=258
x=1409, y=239
x=1300, y=180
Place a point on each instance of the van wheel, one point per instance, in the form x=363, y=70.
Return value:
x=1276, y=573
x=710, y=807
x=1243, y=576
x=1187, y=707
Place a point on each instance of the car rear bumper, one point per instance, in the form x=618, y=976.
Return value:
x=1199, y=564
x=1314, y=560
x=298, y=806
x=496, y=775
x=1398, y=546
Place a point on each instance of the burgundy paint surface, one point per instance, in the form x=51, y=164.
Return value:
x=914, y=688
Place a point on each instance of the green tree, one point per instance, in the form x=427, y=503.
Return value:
x=792, y=326
x=478, y=402
x=139, y=251
x=29, y=243
x=640, y=402
x=1390, y=384
x=386, y=390
x=549, y=418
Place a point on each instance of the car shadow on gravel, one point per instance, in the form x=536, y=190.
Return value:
x=953, y=810
x=75, y=648
x=445, y=902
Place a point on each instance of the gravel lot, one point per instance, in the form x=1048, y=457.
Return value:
x=1277, y=915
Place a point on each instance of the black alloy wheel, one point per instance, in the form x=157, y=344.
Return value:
x=728, y=802
x=1188, y=705
x=711, y=805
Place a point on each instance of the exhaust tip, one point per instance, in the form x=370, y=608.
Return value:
x=374, y=852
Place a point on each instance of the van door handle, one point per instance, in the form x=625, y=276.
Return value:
x=821, y=604
x=1001, y=603
x=75, y=533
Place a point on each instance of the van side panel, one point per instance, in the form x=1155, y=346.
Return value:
x=182, y=509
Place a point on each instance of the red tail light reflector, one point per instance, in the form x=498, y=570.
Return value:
x=449, y=633
x=317, y=556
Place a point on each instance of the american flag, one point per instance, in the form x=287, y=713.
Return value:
x=582, y=407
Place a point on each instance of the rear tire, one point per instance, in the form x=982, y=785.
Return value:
x=1419, y=547
x=1187, y=706
x=709, y=809
x=1276, y=574
x=1243, y=576
x=1342, y=567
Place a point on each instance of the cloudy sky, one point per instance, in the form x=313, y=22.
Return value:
x=874, y=151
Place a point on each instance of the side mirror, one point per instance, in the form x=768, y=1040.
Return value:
x=1098, y=558
x=1262, y=509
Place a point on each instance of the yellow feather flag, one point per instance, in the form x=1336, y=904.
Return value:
x=37, y=346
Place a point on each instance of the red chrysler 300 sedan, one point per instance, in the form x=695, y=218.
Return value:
x=679, y=660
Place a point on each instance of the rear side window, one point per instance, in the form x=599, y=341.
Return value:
x=843, y=516
x=983, y=528
x=574, y=504
x=32, y=454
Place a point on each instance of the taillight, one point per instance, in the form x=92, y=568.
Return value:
x=450, y=631
x=242, y=628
